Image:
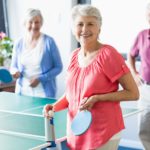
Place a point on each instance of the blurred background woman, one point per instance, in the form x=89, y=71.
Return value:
x=36, y=60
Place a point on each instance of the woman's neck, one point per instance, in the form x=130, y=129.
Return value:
x=33, y=37
x=32, y=40
x=87, y=49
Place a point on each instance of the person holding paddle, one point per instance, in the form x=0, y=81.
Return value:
x=92, y=86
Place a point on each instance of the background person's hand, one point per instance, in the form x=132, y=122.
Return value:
x=34, y=82
x=16, y=75
x=138, y=79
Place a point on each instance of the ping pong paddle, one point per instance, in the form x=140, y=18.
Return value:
x=81, y=122
x=5, y=75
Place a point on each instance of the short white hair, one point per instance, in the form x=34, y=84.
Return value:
x=86, y=10
x=30, y=13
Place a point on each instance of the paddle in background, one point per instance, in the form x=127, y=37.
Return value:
x=5, y=75
x=81, y=122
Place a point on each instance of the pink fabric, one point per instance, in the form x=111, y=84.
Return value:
x=61, y=104
x=141, y=47
x=98, y=77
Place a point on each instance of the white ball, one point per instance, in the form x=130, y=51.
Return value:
x=51, y=113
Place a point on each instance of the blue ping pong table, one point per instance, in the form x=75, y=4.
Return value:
x=22, y=122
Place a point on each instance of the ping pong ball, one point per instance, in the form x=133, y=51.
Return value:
x=51, y=113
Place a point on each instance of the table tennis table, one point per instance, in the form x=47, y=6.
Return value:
x=22, y=122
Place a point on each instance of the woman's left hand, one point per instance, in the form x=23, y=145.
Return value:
x=87, y=103
x=34, y=82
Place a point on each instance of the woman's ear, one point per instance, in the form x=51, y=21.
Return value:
x=99, y=30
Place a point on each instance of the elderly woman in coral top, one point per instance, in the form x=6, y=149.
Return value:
x=93, y=79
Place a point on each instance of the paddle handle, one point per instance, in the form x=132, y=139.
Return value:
x=49, y=131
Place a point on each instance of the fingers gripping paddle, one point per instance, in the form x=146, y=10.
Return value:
x=81, y=122
x=5, y=75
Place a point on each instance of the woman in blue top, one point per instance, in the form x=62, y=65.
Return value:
x=36, y=60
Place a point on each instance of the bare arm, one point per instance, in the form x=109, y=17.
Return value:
x=132, y=61
x=129, y=92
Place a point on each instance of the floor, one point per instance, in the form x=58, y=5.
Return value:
x=126, y=148
x=120, y=147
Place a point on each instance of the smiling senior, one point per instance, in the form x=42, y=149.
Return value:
x=92, y=83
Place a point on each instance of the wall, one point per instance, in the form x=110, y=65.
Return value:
x=56, y=15
x=122, y=20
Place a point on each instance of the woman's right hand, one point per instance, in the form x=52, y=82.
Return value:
x=16, y=75
x=88, y=102
x=138, y=79
x=47, y=111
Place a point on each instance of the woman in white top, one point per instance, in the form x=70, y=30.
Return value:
x=36, y=61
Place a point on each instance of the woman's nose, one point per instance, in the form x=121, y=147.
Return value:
x=84, y=28
x=33, y=25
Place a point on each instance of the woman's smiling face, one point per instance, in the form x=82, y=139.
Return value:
x=86, y=29
x=34, y=24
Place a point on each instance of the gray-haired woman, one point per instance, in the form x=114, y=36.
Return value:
x=94, y=73
x=36, y=60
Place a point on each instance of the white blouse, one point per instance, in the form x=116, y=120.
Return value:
x=31, y=59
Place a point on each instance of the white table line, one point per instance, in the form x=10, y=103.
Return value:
x=132, y=113
x=31, y=136
x=21, y=113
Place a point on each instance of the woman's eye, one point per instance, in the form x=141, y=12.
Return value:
x=90, y=24
x=80, y=24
